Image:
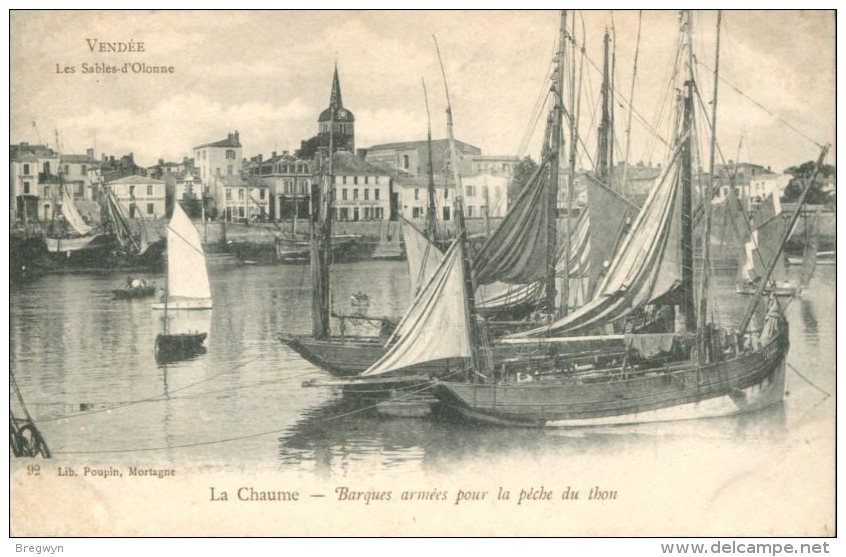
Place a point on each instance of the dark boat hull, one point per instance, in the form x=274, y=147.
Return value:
x=133, y=293
x=742, y=384
x=351, y=356
x=177, y=347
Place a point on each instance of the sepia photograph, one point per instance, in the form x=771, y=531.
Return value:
x=432, y=273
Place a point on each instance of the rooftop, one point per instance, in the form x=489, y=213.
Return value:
x=344, y=162
x=135, y=179
x=232, y=140
x=402, y=145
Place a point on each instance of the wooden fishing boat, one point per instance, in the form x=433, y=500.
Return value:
x=134, y=292
x=700, y=370
x=174, y=347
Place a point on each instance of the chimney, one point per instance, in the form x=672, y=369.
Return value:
x=161, y=162
x=284, y=153
x=273, y=155
x=237, y=137
x=89, y=153
x=260, y=157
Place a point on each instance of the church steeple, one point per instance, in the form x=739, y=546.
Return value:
x=339, y=118
x=335, y=101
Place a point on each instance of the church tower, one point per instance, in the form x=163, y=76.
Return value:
x=339, y=117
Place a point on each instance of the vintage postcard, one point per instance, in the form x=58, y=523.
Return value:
x=422, y=273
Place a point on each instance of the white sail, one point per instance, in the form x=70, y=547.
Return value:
x=436, y=325
x=187, y=277
x=72, y=216
x=423, y=257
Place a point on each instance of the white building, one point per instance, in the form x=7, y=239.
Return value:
x=218, y=159
x=481, y=192
x=486, y=192
x=139, y=196
x=362, y=190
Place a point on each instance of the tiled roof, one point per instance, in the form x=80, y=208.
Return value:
x=230, y=141
x=346, y=163
x=402, y=145
x=78, y=158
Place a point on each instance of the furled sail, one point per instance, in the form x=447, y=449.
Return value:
x=422, y=255
x=187, y=276
x=72, y=216
x=647, y=265
x=516, y=252
x=436, y=325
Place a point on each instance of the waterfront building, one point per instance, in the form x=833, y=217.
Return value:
x=139, y=196
x=288, y=179
x=411, y=158
x=363, y=191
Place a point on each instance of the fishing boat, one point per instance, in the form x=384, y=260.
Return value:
x=699, y=370
x=135, y=288
x=72, y=241
x=186, y=300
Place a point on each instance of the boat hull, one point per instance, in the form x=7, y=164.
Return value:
x=351, y=356
x=782, y=291
x=134, y=293
x=176, y=347
x=743, y=384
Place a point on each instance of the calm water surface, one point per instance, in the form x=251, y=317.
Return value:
x=86, y=368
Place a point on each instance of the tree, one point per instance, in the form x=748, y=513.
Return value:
x=522, y=173
x=816, y=194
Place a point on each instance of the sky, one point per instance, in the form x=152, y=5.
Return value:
x=268, y=75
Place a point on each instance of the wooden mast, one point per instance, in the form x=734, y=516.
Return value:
x=688, y=303
x=564, y=307
x=709, y=195
x=552, y=189
x=321, y=239
x=603, y=148
x=431, y=209
x=469, y=289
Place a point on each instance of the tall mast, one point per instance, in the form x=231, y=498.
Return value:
x=603, y=158
x=552, y=189
x=688, y=304
x=431, y=217
x=709, y=195
x=458, y=200
x=321, y=238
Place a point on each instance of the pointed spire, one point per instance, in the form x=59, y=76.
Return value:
x=335, y=101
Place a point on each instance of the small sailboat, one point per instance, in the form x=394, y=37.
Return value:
x=760, y=251
x=186, y=300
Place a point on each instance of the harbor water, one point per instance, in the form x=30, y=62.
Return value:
x=86, y=368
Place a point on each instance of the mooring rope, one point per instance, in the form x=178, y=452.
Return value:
x=808, y=381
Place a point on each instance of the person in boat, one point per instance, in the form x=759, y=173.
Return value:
x=128, y=285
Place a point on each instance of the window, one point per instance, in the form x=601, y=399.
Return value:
x=131, y=191
x=344, y=194
x=355, y=179
x=405, y=161
x=149, y=191
x=469, y=191
x=26, y=189
x=132, y=211
x=26, y=170
x=241, y=195
x=376, y=194
x=345, y=213
x=230, y=154
x=416, y=194
x=355, y=213
x=367, y=213
x=366, y=194
x=67, y=169
x=46, y=167
x=79, y=190
x=377, y=179
x=366, y=179
x=415, y=212
x=83, y=170
x=355, y=194
x=446, y=213
x=262, y=193
x=446, y=193
x=379, y=213
x=150, y=209
x=241, y=212
x=343, y=179
x=469, y=210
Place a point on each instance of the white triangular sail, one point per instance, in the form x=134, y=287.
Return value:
x=423, y=257
x=72, y=216
x=436, y=325
x=187, y=277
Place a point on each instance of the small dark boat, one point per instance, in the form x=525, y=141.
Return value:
x=134, y=292
x=177, y=347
